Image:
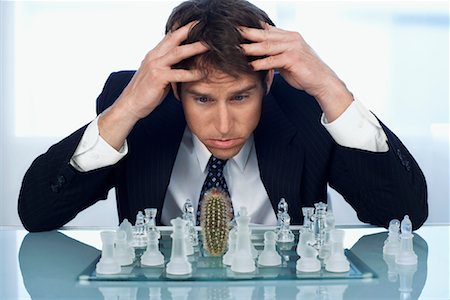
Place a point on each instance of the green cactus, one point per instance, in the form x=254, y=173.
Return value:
x=215, y=220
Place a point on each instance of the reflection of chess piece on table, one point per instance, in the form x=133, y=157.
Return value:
x=406, y=275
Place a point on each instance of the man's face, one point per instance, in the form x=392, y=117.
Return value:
x=222, y=111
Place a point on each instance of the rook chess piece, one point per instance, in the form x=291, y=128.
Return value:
x=337, y=262
x=107, y=263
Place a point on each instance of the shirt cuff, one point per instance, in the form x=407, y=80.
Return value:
x=357, y=128
x=93, y=152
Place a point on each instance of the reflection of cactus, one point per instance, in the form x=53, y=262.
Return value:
x=215, y=218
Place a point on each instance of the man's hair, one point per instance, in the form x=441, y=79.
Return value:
x=217, y=28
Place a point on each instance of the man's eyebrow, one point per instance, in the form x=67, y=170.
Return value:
x=193, y=91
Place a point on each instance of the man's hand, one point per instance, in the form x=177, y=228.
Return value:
x=299, y=65
x=150, y=85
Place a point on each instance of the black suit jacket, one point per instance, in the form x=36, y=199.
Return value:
x=296, y=155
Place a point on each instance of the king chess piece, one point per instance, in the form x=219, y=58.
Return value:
x=243, y=259
x=178, y=264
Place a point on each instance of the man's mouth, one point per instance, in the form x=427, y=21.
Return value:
x=223, y=143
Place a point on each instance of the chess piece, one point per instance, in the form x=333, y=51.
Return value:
x=215, y=219
x=188, y=240
x=308, y=261
x=324, y=251
x=282, y=208
x=406, y=255
x=139, y=236
x=242, y=259
x=308, y=213
x=227, y=259
x=152, y=256
x=107, y=263
x=285, y=234
x=337, y=262
x=150, y=221
x=406, y=276
x=128, y=228
x=123, y=253
x=189, y=216
x=269, y=256
x=392, y=268
x=178, y=264
x=319, y=223
x=392, y=243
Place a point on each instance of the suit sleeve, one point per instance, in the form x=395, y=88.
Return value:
x=53, y=192
x=381, y=186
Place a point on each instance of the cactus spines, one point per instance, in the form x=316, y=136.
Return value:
x=215, y=218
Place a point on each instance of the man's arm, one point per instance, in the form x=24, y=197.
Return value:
x=380, y=186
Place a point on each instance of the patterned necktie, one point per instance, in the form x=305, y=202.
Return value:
x=214, y=179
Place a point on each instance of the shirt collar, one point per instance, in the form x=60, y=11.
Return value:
x=203, y=153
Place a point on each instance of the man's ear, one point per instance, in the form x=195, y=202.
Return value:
x=175, y=90
x=269, y=79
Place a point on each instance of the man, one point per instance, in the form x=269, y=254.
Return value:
x=207, y=93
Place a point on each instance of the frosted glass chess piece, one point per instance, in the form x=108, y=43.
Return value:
x=178, y=264
x=107, y=263
x=150, y=221
x=337, y=262
x=319, y=223
x=242, y=259
x=308, y=213
x=189, y=216
x=269, y=256
x=406, y=255
x=285, y=234
x=152, y=256
x=392, y=267
x=123, y=253
x=392, y=243
x=308, y=261
x=139, y=236
x=128, y=228
x=227, y=259
x=282, y=208
x=324, y=251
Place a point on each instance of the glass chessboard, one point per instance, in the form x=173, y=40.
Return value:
x=208, y=268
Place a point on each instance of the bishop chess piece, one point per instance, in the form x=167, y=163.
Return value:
x=152, y=256
x=282, y=208
x=392, y=243
x=178, y=264
x=308, y=261
x=284, y=233
x=406, y=255
x=337, y=262
x=107, y=263
x=269, y=256
x=242, y=259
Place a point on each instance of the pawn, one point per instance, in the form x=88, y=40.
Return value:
x=123, y=253
x=152, y=256
x=337, y=262
x=269, y=256
x=178, y=264
x=227, y=259
x=406, y=255
x=107, y=263
x=308, y=261
x=392, y=243
x=242, y=259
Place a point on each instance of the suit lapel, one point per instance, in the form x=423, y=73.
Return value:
x=280, y=157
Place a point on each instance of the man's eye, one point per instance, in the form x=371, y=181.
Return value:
x=240, y=97
x=202, y=99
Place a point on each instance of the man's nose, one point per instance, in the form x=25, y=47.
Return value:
x=224, y=120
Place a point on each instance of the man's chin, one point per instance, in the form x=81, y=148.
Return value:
x=225, y=153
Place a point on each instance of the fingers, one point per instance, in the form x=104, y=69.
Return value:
x=179, y=75
x=179, y=53
x=175, y=38
x=268, y=63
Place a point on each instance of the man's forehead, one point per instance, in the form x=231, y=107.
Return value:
x=218, y=78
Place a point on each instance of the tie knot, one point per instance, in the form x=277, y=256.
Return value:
x=216, y=164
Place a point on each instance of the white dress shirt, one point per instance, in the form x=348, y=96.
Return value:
x=355, y=128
